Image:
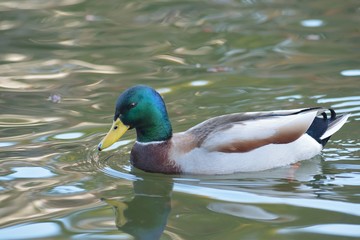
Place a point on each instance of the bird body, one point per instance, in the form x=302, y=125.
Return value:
x=239, y=142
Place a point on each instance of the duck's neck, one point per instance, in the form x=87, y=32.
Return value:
x=156, y=129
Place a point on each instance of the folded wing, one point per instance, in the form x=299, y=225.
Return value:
x=258, y=130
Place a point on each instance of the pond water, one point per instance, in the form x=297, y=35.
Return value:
x=63, y=64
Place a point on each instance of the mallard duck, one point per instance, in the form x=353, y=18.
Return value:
x=238, y=142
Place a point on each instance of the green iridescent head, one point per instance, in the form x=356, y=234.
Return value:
x=142, y=108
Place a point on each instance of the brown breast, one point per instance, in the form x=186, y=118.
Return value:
x=153, y=158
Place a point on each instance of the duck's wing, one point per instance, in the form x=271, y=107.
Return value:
x=243, y=132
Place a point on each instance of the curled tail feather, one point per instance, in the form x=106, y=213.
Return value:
x=322, y=128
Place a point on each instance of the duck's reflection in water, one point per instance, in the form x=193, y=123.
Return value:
x=145, y=215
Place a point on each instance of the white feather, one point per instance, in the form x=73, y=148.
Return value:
x=149, y=143
x=333, y=128
x=201, y=161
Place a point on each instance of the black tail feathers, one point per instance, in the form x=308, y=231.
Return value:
x=321, y=124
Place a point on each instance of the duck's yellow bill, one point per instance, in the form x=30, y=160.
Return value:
x=116, y=131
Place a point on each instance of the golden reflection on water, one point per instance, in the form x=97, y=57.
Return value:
x=7, y=82
x=42, y=4
x=6, y=25
x=12, y=120
x=171, y=59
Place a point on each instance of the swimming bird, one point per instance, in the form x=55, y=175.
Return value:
x=238, y=142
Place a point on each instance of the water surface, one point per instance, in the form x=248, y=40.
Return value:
x=63, y=63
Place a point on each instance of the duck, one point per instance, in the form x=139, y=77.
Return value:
x=227, y=144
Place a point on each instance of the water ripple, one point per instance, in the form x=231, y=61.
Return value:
x=28, y=172
x=50, y=69
x=349, y=104
x=32, y=230
x=12, y=120
x=246, y=197
x=243, y=211
x=32, y=5
x=345, y=230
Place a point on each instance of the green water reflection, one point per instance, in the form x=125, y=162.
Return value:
x=145, y=215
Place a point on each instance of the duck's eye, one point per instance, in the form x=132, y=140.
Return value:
x=132, y=105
